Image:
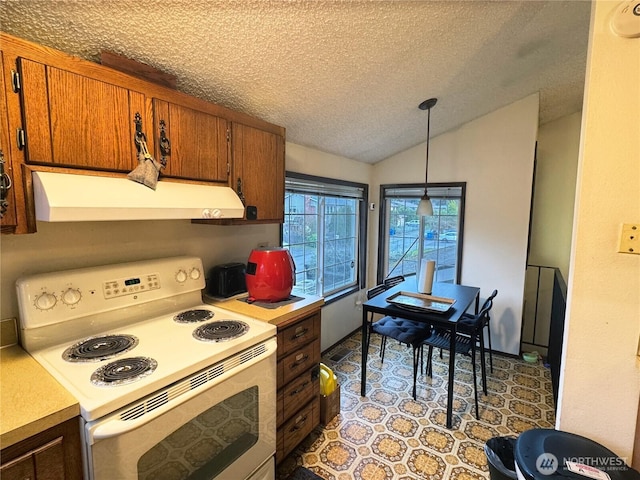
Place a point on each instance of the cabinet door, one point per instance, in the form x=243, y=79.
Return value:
x=8, y=219
x=19, y=469
x=198, y=141
x=258, y=171
x=54, y=454
x=76, y=121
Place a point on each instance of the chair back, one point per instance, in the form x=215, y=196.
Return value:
x=377, y=290
x=393, y=281
x=489, y=301
x=477, y=322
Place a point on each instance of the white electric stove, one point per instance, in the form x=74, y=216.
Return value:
x=146, y=359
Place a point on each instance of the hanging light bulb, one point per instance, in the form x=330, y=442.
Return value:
x=425, y=208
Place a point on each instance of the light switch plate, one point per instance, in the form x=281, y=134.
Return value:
x=630, y=238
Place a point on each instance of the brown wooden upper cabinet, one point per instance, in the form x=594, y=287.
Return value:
x=62, y=113
x=71, y=120
x=197, y=141
x=8, y=220
x=258, y=172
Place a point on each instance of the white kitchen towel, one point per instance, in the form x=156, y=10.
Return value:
x=425, y=276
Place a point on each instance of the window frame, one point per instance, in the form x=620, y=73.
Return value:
x=362, y=228
x=382, y=221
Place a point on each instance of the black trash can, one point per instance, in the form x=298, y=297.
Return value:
x=545, y=454
x=500, y=456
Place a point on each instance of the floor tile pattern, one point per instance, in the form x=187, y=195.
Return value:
x=388, y=435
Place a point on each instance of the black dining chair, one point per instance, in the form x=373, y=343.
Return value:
x=469, y=336
x=404, y=331
x=487, y=325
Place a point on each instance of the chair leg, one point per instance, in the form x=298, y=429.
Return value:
x=483, y=367
x=429, y=364
x=475, y=381
x=416, y=357
x=490, y=348
x=383, y=346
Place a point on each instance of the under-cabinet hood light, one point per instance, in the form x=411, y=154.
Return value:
x=62, y=197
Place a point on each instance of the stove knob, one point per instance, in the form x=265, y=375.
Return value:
x=181, y=276
x=45, y=301
x=195, y=273
x=71, y=296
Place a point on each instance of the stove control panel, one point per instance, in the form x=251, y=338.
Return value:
x=50, y=298
x=131, y=285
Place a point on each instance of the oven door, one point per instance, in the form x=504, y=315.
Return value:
x=211, y=425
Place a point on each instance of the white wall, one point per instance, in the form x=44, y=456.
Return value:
x=62, y=246
x=555, y=189
x=600, y=382
x=494, y=155
x=342, y=317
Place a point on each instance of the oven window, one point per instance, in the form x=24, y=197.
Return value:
x=206, y=445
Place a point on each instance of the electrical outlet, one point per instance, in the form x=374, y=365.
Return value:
x=630, y=238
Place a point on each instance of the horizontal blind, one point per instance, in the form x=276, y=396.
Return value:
x=434, y=192
x=338, y=189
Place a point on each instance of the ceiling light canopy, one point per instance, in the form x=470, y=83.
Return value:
x=425, y=208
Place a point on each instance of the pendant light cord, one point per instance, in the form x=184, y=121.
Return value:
x=426, y=168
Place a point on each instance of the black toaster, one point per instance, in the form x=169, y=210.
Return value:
x=226, y=280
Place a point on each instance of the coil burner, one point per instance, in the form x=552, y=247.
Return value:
x=193, y=316
x=221, y=330
x=123, y=371
x=96, y=349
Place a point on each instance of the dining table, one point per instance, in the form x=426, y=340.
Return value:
x=459, y=297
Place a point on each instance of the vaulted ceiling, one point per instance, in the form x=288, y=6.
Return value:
x=344, y=77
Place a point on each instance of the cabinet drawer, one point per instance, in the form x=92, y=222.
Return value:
x=300, y=391
x=298, y=334
x=298, y=362
x=296, y=429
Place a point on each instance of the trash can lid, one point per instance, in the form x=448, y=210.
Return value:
x=550, y=454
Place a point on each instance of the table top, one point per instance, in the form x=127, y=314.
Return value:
x=463, y=295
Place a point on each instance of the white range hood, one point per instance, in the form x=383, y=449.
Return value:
x=62, y=197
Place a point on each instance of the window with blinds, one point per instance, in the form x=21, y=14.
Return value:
x=404, y=237
x=324, y=229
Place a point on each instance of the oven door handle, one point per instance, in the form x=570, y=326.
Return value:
x=113, y=425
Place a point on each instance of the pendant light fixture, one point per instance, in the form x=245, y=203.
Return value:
x=424, y=207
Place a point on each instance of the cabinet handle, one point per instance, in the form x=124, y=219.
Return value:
x=239, y=191
x=301, y=333
x=5, y=185
x=299, y=390
x=15, y=81
x=299, y=424
x=299, y=361
x=20, y=139
x=165, y=144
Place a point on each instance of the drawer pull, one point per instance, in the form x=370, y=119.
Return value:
x=301, y=333
x=299, y=424
x=299, y=361
x=299, y=390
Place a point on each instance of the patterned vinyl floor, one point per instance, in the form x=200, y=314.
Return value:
x=388, y=435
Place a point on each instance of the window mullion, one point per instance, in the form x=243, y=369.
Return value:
x=321, y=244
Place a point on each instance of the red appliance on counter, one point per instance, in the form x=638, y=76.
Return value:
x=270, y=274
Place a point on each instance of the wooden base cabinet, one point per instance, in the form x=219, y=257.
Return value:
x=53, y=454
x=298, y=401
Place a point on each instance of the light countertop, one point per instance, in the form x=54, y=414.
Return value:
x=31, y=400
x=275, y=316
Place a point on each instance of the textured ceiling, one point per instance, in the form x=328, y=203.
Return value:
x=344, y=77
